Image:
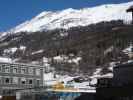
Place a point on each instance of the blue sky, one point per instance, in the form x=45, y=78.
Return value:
x=14, y=12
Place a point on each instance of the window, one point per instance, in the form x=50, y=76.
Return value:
x=30, y=81
x=38, y=82
x=23, y=81
x=0, y=68
x=30, y=70
x=15, y=80
x=37, y=71
x=0, y=79
x=15, y=69
x=23, y=70
x=7, y=69
x=7, y=80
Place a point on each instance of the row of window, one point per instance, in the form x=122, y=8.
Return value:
x=17, y=80
x=22, y=70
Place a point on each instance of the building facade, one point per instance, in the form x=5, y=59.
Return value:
x=20, y=76
x=123, y=74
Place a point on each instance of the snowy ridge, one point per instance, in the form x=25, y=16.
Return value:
x=49, y=20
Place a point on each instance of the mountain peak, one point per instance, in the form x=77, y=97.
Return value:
x=43, y=14
x=49, y=20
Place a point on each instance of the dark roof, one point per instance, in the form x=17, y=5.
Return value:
x=130, y=9
x=124, y=65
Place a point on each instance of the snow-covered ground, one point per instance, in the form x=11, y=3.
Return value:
x=97, y=74
x=14, y=49
x=69, y=81
x=36, y=52
x=129, y=52
x=10, y=50
x=128, y=49
x=64, y=58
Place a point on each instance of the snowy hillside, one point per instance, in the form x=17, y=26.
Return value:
x=49, y=20
x=90, y=51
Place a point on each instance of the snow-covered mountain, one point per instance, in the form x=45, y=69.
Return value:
x=89, y=50
x=67, y=18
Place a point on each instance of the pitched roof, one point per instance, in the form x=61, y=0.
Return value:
x=130, y=9
x=126, y=65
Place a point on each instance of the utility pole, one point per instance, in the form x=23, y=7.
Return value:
x=130, y=9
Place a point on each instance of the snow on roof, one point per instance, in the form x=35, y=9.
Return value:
x=130, y=9
x=128, y=50
x=48, y=76
x=5, y=60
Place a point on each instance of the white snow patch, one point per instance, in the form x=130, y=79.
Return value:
x=6, y=60
x=46, y=60
x=93, y=81
x=97, y=74
x=128, y=50
x=108, y=75
x=22, y=48
x=95, y=77
x=61, y=58
x=112, y=65
x=65, y=78
x=129, y=61
x=36, y=52
x=98, y=70
x=14, y=49
x=68, y=81
x=75, y=60
x=48, y=76
x=10, y=50
x=64, y=58
x=108, y=50
x=110, y=68
x=82, y=85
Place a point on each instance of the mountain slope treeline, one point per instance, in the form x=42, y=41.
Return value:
x=97, y=45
